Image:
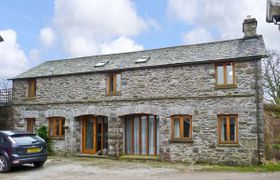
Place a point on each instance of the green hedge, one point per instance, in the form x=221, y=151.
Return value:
x=42, y=131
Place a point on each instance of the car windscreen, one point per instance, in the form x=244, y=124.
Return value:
x=25, y=139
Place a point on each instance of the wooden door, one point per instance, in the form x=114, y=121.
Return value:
x=30, y=124
x=89, y=135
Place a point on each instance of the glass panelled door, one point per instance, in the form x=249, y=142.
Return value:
x=136, y=135
x=89, y=134
x=95, y=134
x=128, y=137
x=142, y=134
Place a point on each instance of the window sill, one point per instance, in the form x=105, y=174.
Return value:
x=185, y=141
x=57, y=138
x=232, y=86
x=30, y=98
x=229, y=145
x=114, y=94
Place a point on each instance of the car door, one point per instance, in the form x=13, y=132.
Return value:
x=2, y=144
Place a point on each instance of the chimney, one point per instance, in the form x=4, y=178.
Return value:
x=250, y=27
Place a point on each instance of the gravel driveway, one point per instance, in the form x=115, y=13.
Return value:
x=84, y=169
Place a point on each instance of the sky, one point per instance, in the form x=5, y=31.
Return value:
x=38, y=31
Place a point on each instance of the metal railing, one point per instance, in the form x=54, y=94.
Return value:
x=6, y=95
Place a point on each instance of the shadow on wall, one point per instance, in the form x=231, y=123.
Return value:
x=272, y=132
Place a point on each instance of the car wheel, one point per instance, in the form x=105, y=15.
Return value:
x=4, y=166
x=39, y=164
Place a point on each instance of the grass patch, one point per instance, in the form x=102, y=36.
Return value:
x=268, y=167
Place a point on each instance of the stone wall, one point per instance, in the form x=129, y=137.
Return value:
x=164, y=92
x=182, y=81
x=6, y=117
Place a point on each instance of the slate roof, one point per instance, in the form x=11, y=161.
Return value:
x=236, y=49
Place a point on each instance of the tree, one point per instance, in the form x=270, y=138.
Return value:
x=271, y=75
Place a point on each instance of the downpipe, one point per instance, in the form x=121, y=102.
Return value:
x=118, y=132
x=257, y=110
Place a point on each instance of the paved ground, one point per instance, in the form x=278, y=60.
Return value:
x=84, y=169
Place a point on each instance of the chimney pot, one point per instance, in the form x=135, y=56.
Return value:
x=250, y=27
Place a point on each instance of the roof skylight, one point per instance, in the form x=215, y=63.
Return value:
x=101, y=64
x=142, y=59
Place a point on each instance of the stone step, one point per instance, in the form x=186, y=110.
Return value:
x=138, y=157
x=92, y=156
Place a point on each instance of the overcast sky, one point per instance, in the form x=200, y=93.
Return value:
x=35, y=31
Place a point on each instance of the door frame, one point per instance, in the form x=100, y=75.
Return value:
x=95, y=119
x=101, y=132
x=84, y=120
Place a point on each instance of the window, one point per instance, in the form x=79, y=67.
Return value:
x=225, y=74
x=31, y=91
x=228, y=129
x=113, y=84
x=25, y=139
x=142, y=134
x=2, y=140
x=142, y=59
x=56, y=127
x=101, y=64
x=181, y=128
x=30, y=124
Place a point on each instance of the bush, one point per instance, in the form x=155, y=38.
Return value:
x=275, y=109
x=268, y=153
x=42, y=131
x=275, y=146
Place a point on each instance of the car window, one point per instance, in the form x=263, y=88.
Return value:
x=25, y=139
x=2, y=140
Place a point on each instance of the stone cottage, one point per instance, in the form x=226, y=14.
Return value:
x=194, y=103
